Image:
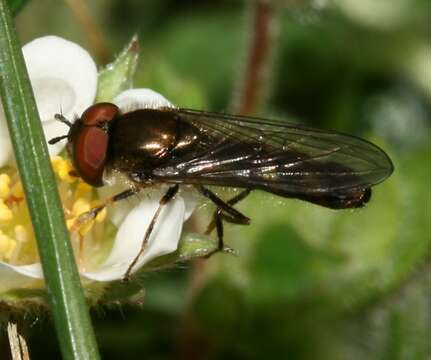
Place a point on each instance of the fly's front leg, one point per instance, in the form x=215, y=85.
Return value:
x=170, y=194
x=92, y=213
x=225, y=212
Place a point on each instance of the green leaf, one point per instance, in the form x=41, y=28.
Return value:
x=118, y=76
x=66, y=299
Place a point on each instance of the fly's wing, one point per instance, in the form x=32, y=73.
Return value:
x=275, y=156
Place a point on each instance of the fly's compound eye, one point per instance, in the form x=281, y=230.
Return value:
x=99, y=114
x=89, y=142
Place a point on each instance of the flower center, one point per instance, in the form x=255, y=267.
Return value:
x=17, y=241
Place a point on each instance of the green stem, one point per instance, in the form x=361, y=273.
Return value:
x=15, y=6
x=69, y=309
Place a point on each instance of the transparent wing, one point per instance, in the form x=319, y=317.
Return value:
x=276, y=156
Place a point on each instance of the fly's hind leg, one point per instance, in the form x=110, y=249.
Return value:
x=219, y=213
x=225, y=212
x=170, y=194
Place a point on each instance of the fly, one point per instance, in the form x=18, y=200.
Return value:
x=181, y=146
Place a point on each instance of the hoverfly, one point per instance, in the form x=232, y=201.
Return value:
x=180, y=146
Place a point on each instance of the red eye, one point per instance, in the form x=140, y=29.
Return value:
x=89, y=142
x=100, y=113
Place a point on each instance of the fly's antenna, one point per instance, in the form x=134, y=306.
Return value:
x=61, y=118
x=57, y=139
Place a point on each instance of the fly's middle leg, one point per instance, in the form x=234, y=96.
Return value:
x=219, y=213
x=225, y=212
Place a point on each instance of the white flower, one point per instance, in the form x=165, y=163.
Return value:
x=64, y=78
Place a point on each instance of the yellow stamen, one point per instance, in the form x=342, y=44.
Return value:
x=82, y=189
x=6, y=214
x=4, y=186
x=21, y=233
x=16, y=236
x=12, y=245
x=85, y=228
x=21, y=236
x=73, y=225
x=81, y=206
x=17, y=190
x=101, y=216
x=4, y=243
x=63, y=169
x=55, y=160
x=70, y=223
x=7, y=246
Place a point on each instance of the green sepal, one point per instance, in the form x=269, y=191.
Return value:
x=191, y=246
x=118, y=75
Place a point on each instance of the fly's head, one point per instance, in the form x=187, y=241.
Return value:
x=88, y=139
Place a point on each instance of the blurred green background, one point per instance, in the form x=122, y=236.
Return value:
x=309, y=283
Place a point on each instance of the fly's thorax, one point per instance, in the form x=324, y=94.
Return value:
x=144, y=140
x=139, y=138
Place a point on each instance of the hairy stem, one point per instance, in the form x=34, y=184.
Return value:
x=263, y=28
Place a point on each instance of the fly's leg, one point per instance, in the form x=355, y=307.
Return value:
x=220, y=233
x=92, y=213
x=225, y=212
x=233, y=201
x=170, y=194
x=225, y=207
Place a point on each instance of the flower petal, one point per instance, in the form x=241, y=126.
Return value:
x=134, y=99
x=164, y=238
x=191, y=199
x=64, y=79
x=63, y=76
x=18, y=277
